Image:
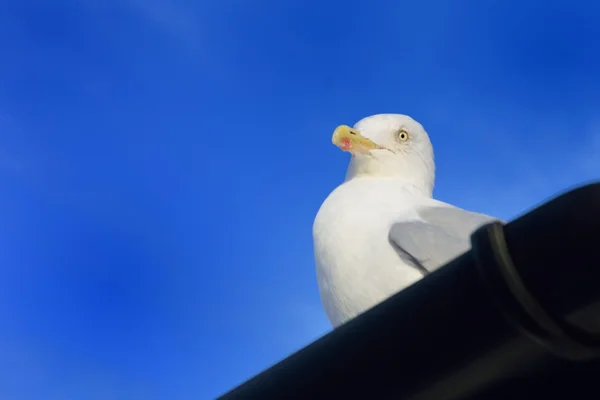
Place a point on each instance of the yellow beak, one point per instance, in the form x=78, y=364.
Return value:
x=351, y=140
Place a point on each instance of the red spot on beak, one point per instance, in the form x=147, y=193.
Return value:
x=346, y=144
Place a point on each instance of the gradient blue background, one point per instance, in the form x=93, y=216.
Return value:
x=161, y=163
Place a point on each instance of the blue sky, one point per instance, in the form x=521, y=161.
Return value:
x=161, y=163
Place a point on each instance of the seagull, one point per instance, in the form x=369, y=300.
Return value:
x=381, y=230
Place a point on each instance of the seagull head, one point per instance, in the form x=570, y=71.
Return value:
x=388, y=146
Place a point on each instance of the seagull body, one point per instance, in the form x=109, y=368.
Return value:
x=380, y=230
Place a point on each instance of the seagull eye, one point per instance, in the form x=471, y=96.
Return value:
x=403, y=135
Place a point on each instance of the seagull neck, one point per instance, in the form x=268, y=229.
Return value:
x=413, y=187
x=414, y=173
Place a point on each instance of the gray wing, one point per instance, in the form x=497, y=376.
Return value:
x=443, y=234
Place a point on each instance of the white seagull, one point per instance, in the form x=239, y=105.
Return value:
x=381, y=230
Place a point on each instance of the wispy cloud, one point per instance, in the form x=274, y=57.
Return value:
x=15, y=161
x=168, y=16
x=531, y=174
x=43, y=172
x=172, y=18
x=28, y=372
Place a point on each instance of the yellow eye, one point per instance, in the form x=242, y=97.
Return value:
x=403, y=135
